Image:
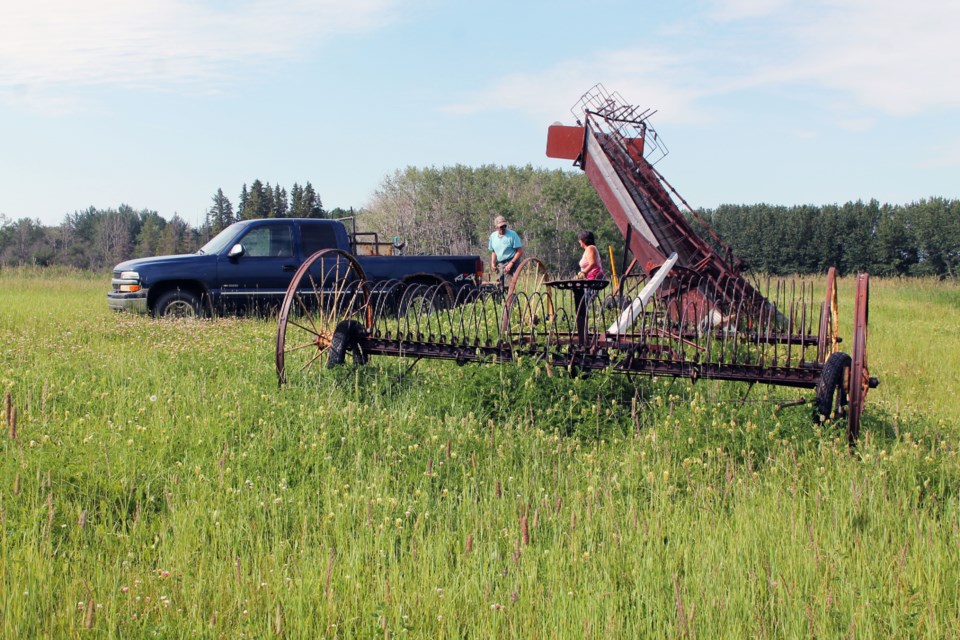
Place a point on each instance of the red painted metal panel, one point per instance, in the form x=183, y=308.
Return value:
x=564, y=142
x=634, y=147
x=642, y=250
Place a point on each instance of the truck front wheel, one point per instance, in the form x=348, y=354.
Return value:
x=177, y=303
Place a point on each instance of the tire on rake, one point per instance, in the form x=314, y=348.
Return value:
x=346, y=338
x=832, y=389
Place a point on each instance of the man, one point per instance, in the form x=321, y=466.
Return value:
x=505, y=251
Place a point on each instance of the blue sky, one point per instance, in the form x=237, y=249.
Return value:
x=158, y=103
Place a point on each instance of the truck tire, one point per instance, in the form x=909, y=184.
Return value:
x=831, y=398
x=423, y=299
x=177, y=303
x=346, y=337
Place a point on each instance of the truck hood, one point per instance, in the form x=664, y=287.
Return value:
x=167, y=261
x=189, y=267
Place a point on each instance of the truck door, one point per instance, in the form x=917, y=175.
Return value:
x=332, y=278
x=319, y=235
x=258, y=276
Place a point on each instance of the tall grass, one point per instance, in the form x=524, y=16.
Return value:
x=160, y=484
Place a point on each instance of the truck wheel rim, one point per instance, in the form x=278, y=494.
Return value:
x=180, y=309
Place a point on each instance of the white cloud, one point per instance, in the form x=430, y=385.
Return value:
x=740, y=9
x=900, y=58
x=641, y=75
x=46, y=44
x=857, y=124
x=884, y=56
x=873, y=58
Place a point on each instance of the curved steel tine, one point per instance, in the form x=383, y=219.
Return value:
x=712, y=305
x=803, y=321
x=468, y=312
x=711, y=301
x=731, y=338
x=433, y=316
x=757, y=315
x=489, y=302
x=746, y=320
x=791, y=320
x=725, y=299
x=462, y=299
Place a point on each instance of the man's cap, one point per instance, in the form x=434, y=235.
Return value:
x=499, y=221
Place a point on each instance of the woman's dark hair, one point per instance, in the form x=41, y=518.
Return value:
x=587, y=238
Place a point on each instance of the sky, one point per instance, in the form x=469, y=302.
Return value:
x=158, y=103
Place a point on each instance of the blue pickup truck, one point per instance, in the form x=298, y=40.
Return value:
x=249, y=265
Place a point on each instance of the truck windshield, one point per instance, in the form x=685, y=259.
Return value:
x=220, y=241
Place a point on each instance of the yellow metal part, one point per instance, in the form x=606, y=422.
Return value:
x=613, y=268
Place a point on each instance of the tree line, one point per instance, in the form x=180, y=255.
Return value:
x=263, y=201
x=918, y=239
x=99, y=238
x=450, y=210
x=95, y=238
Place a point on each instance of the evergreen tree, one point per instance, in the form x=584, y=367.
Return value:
x=297, y=209
x=280, y=202
x=151, y=233
x=220, y=214
x=242, y=204
x=895, y=252
x=860, y=222
x=267, y=207
x=175, y=238
x=937, y=229
x=312, y=207
x=828, y=238
x=255, y=205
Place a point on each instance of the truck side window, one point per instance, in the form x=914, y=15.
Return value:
x=316, y=237
x=270, y=241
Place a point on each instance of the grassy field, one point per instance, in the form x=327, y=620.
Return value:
x=159, y=484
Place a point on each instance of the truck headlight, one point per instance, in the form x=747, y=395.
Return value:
x=128, y=282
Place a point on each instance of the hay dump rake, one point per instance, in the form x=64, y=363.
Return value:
x=687, y=313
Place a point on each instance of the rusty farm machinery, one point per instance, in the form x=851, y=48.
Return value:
x=682, y=307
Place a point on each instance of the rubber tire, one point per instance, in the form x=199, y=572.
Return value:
x=182, y=299
x=829, y=385
x=346, y=337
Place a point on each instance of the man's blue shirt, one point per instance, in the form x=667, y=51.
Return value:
x=504, y=246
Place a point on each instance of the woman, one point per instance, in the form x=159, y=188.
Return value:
x=590, y=266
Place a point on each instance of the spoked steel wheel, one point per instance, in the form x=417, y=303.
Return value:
x=528, y=309
x=327, y=290
x=860, y=380
x=829, y=341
